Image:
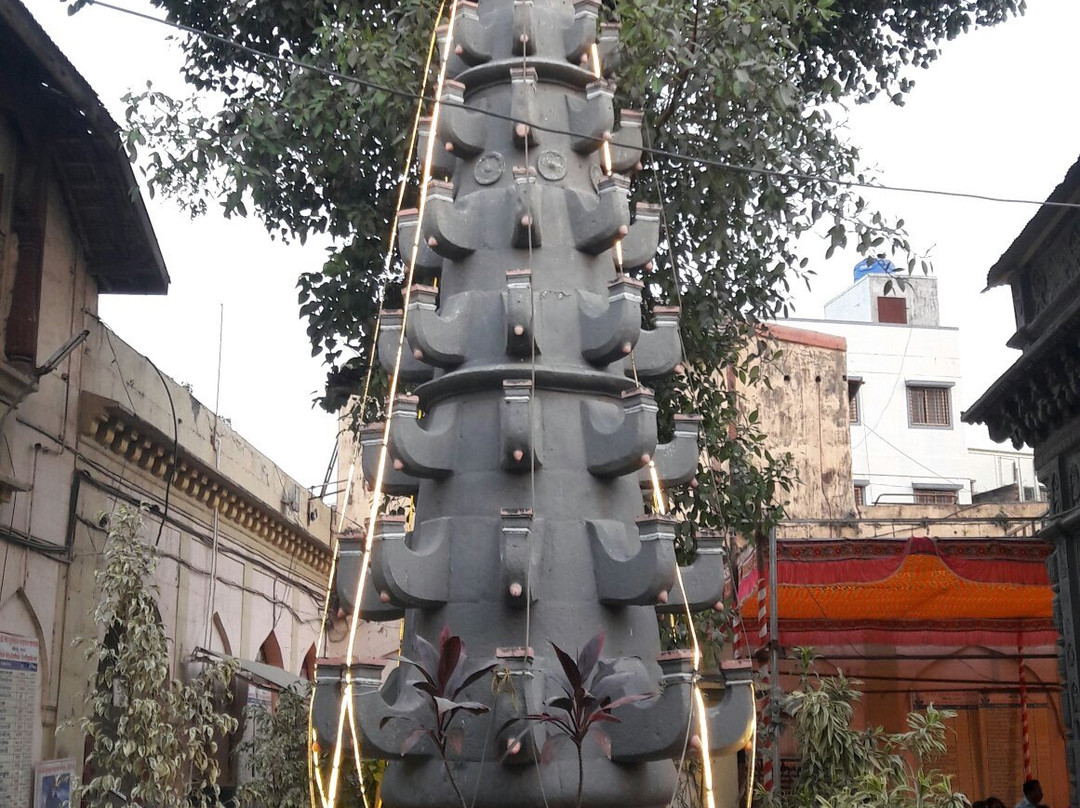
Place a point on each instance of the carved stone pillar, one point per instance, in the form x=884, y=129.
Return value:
x=529, y=522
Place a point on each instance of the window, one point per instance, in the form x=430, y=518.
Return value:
x=933, y=496
x=853, y=386
x=860, y=495
x=928, y=406
x=891, y=310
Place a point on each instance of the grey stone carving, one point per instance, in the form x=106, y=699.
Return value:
x=527, y=440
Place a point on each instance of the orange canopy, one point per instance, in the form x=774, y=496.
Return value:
x=908, y=592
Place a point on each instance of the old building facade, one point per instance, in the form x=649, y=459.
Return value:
x=924, y=602
x=87, y=424
x=1037, y=402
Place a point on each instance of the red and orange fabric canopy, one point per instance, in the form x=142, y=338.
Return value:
x=916, y=591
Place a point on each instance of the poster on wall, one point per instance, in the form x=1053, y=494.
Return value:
x=52, y=783
x=19, y=662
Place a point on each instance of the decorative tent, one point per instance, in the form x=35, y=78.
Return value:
x=907, y=592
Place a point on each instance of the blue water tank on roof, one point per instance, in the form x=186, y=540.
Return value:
x=874, y=265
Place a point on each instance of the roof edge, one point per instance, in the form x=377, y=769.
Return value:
x=101, y=124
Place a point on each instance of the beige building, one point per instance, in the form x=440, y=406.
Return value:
x=88, y=424
x=947, y=604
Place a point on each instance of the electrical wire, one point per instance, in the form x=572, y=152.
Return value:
x=933, y=473
x=794, y=176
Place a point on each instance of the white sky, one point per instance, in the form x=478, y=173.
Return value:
x=998, y=114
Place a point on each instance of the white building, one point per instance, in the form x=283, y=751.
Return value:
x=905, y=390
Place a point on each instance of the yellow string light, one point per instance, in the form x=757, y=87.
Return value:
x=329, y=794
x=697, y=696
x=753, y=749
x=659, y=506
x=605, y=150
x=391, y=395
x=351, y=710
x=698, y=699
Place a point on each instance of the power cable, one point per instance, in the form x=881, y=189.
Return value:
x=951, y=480
x=654, y=152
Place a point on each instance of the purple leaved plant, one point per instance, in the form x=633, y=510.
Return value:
x=591, y=691
x=444, y=676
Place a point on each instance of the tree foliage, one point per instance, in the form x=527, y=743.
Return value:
x=277, y=752
x=742, y=98
x=153, y=737
x=842, y=767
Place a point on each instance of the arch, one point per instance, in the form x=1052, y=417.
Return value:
x=18, y=616
x=307, y=666
x=219, y=638
x=270, y=651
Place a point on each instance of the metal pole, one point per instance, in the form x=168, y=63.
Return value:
x=774, y=655
x=215, y=442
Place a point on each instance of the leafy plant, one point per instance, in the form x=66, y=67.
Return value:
x=842, y=767
x=277, y=752
x=153, y=738
x=590, y=693
x=444, y=677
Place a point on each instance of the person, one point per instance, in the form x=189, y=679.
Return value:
x=1033, y=795
x=994, y=802
x=979, y=804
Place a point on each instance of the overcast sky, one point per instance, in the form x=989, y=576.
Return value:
x=998, y=114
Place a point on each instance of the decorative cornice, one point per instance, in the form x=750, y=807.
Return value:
x=143, y=445
x=1038, y=394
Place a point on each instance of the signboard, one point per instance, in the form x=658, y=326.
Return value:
x=19, y=662
x=789, y=770
x=52, y=783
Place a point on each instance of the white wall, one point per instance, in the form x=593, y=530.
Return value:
x=858, y=303
x=995, y=465
x=887, y=452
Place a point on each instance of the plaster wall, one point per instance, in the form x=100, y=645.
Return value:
x=1000, y=467
x=57, y=477
x=803, y=410
x=858, y=302
x=889, y=455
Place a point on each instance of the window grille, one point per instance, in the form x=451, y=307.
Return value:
x=928, y=406
x=934, y=496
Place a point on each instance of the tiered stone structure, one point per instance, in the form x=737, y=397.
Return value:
x=530, y=457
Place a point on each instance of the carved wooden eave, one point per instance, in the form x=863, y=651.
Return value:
x=44, y=91
x=1039, y=393
x=145, y=446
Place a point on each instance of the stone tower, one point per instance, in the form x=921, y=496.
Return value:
x=532, y=451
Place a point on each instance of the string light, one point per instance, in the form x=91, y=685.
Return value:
x=351, y=710
x=391, y=396
x=698, y=705
x=753, y=750
x=345, y=711
x=605, y=152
